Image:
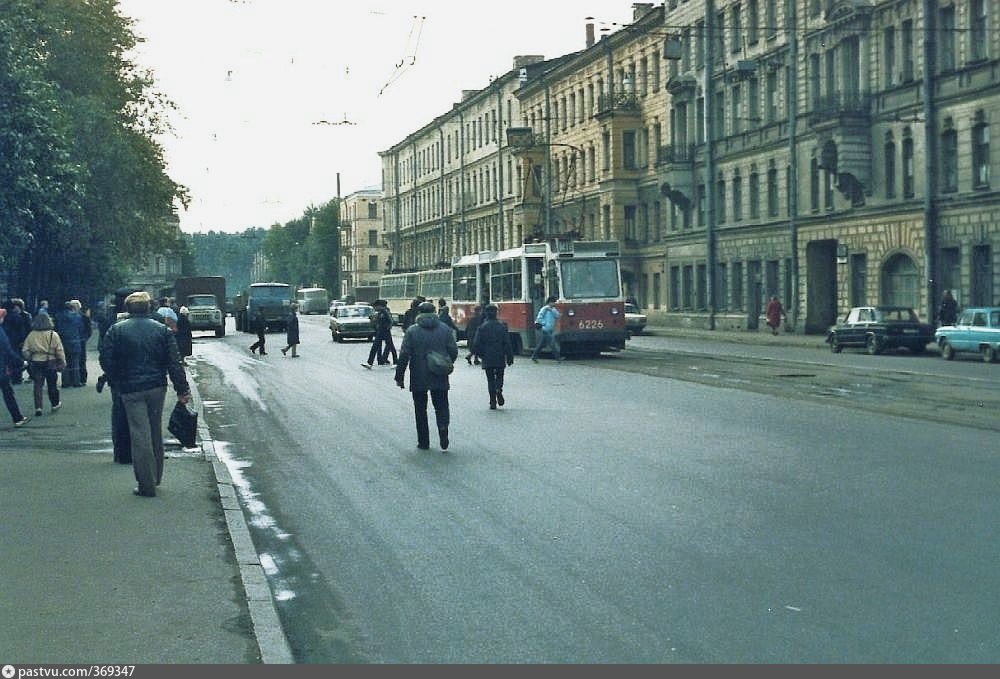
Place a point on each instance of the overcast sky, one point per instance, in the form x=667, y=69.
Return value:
x=253, y=78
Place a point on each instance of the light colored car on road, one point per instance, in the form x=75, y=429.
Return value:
x=351, y=321
x=635, y=320
x=977, y=330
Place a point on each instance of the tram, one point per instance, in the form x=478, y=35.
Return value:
x=584, y=276
x=398, y=290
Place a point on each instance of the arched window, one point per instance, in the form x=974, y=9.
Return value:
x=900, y=282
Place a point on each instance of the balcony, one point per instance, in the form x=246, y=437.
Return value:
x=675, y=172
x=840, y=109
x=620, y=104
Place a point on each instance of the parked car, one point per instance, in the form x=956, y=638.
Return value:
x=351, y=321
x=977, y=330
x=635, y=320
x=881, y=328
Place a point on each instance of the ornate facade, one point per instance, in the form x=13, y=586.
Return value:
x=833, y=153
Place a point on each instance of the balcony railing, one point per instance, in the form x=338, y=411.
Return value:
x=838, y=106
x=670, y=154
x=624, y=102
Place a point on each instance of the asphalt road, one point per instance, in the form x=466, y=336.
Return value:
x=607, y=515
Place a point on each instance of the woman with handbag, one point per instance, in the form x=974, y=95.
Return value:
x=43, y=349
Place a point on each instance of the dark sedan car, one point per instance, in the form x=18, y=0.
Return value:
x=880, y=328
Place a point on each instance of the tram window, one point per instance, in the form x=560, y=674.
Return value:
x=583, y=278
x=464, y=283
x=505, y=280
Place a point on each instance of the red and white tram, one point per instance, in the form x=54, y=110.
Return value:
x=584, y=276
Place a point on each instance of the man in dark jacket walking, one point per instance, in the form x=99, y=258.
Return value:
x=137, y=355
x=427, y=334
x=492, y=345
x=260, y=327
x=381, y=321
x=292, y=332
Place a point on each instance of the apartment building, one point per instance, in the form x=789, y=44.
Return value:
x=831, y=153
x=364, y=251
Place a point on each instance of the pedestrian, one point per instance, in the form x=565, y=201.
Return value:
x=260, y=327
x=9, y=362
x=492, y=344
x=427, y=334
x=774, y=314
x=381, y=321
x=42, y=348
x=43, y=307
x=184, y=339
x=410, y=315
x=167, y=314
x=85, y=334
x=121, y=440
x=292, y=332
x=545, y=322
x=17, y=326
x=948, y=311
x=137, y=355
x=470, y=331
x=445, y=316
x=70, y=326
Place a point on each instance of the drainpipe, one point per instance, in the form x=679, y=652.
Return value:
x=444, y=221
x=930, y=154
x=548, y=161
x=499, y=173
x=461, y=176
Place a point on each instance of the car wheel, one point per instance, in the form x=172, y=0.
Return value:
x=872, y=345
x=947, y=351
x=835, y=346
x=989, y=354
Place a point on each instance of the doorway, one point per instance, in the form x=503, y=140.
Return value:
x=821, y=285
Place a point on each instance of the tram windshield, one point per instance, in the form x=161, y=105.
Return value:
x=590, y=278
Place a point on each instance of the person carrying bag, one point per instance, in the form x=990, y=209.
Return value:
x=43, y=349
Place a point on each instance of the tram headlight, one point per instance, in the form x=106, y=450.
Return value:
x=615, y=311
x=571, y=312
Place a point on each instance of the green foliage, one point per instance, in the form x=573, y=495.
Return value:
x=83, y=190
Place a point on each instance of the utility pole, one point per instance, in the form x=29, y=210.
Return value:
x=930, y=155
x=708, y=47
x=793, y=161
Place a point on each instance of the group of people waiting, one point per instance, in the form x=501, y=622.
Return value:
x=43, y=345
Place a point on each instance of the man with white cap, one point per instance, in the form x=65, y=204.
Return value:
x=137, y=355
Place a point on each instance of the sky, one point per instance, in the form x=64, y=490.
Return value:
x=275, y=98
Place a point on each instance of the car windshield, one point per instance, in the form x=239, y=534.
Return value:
x=892, y=314
x=201, y=300
x=353, y=312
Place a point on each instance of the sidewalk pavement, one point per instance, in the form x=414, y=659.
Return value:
x=92, y=574
x=763, y=336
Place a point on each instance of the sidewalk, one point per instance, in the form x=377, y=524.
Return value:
x=763, y=336
x=90, y=573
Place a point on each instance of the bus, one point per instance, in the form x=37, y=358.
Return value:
x=398, y=290
x=584, y=276
x=313, y=300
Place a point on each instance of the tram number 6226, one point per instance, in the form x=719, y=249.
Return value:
x=589, y=324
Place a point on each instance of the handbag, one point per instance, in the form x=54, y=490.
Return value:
x=55, y=363
x=183, y=424
x=439, y=364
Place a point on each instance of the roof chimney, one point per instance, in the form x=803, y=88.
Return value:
x=590, y=35
x=640, y=9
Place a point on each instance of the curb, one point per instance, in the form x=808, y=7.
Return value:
x=267, y=630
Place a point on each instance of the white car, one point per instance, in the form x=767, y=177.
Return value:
x=351, y=321
x=635, y=320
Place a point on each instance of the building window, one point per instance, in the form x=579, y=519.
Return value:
x=737, y=197
x=720, y=200
x=735, y=21
x=734, y=108
x=656, y=291
x=889, y=55
x=700, y=198
x=753, y=103
x=699, y=120
x=829, y=179
x=771, y=19
x=814, y=185
x=687, y=287
x=815, y=82
x=908, y=169
x=719, y=44
x=753, y=21
x=736, y=293
x=699, y=48
x=628, y=150
x=674, y=293
x=372, y=238
x=949, y=161
x=700, y=286
x=772, y=191
x=978, y=24
x=372, y=210
x=373, y=262
x=771, y=96
x=946, y=39
x=907, y=51
x=981, y=155
x=720, y=114
x=754, y=195
x=890, y=167
x=721, y=286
